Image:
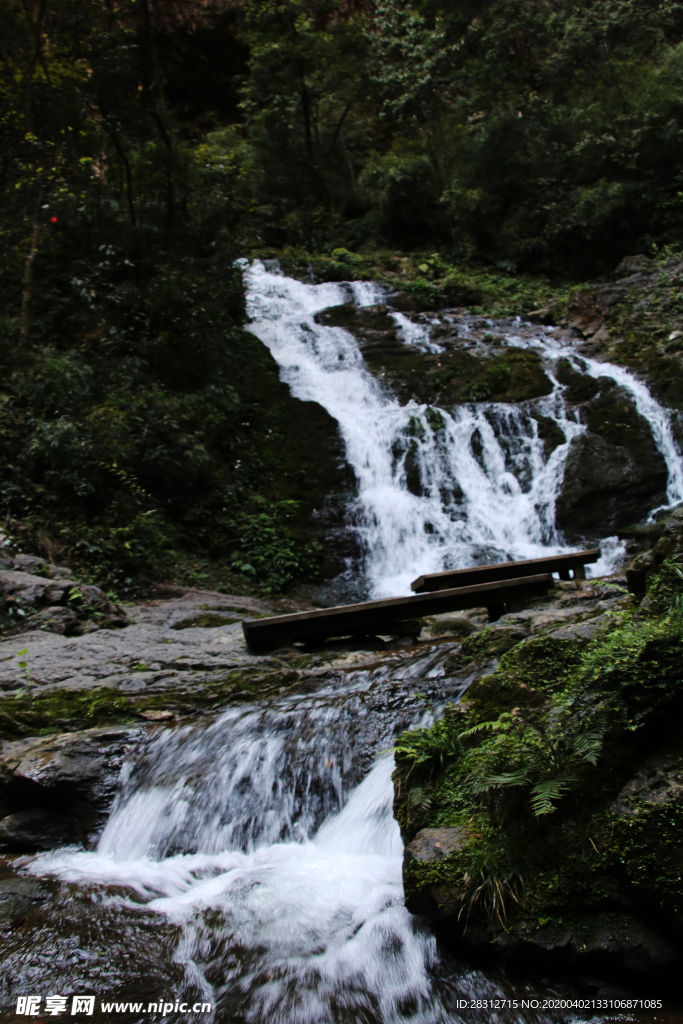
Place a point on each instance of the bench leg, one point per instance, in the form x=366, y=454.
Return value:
x=564, y=574
x=580, y=572
x=495, y=611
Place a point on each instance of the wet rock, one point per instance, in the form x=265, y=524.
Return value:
x=618, y=943
x=550, y=433
x=60, y=790
x=35, y=829
x=18, y=896
x=669, y=544
x=437, y=901
x=607, y=485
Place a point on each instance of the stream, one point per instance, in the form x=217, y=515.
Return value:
x=251, y=859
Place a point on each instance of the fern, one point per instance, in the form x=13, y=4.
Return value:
x=543, y=793
x=501, y=723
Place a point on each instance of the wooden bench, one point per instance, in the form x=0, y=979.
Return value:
x=372, y=618
x=562, y=564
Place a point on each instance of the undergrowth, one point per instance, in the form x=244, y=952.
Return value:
x=529, y=763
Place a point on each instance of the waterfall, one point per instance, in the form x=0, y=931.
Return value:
x=485, y=490
x=263, y=844
x=251, y=859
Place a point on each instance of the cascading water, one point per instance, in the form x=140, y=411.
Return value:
x=251, y=860
x=257, y=854
x=487, y=492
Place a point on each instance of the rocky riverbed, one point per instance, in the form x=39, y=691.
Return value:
x=180, y=656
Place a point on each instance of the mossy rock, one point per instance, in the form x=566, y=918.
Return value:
x=206, y=620
x=445, y=379
x=614, y=473
x=490, y=696
x=580, y=386
x=550, y=433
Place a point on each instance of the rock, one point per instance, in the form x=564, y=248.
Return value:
x=81, y=765
x=35, y=829
x=438, y=901
x=550, y=433
x=658, y=781
x=669, y=545
x=60, y=790
x=581, y=631
x=40, y=602
x=607, y=485
x=57, y=620
x=618, y=944
x=434, y=844
x=26, y=563
x=17, y=897
x=580, y=386
x=630, y=265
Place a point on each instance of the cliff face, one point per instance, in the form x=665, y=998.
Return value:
x=543, y=814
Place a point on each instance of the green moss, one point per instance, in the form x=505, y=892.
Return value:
x=529, y=764
x=488, y=643
x=59, y=710
x=71, y=710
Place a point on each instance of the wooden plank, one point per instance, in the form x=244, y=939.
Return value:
x=369, y=617
x=506, y=571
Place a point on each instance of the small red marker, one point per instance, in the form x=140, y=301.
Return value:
x=53, y=219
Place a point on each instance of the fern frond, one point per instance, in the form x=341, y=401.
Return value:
x=493, y=726
x=543, y=793
x=587, y=745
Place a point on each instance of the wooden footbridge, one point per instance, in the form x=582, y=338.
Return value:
x=500, y=588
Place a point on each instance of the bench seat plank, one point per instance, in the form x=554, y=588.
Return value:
x=369, y=617
x=505, y=570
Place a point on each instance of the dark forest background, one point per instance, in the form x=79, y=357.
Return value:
x=147, y=145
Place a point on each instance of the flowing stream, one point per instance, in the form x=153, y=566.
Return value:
x=251, y=859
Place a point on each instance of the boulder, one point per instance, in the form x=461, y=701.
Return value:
x=607, y=485
x=38, y=828
x=18, y=896
x=646, y=564
x=60, y=790
x=438, y=901
x=659, y=781
x=619, y=944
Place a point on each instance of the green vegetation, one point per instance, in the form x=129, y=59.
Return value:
x=531, y=761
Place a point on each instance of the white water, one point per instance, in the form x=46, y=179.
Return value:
x=282, y=875
x=484, y=492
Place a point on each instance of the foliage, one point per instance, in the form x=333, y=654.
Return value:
x=530, y=760
x=268, y=551
x=131, y=408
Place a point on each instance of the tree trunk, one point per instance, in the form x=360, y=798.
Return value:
x=25, y=331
